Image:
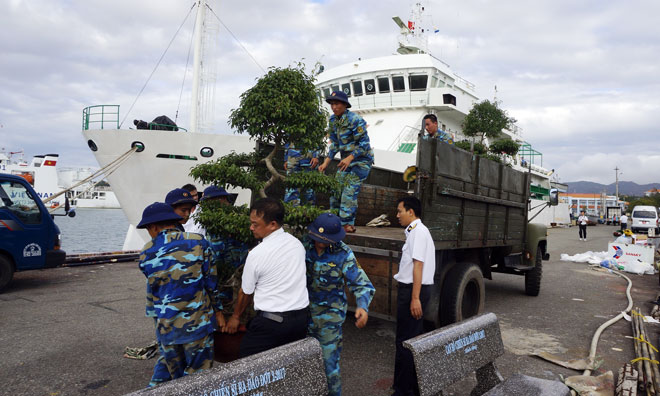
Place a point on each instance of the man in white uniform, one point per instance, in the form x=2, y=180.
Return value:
x=275, y=275
x=415, y=278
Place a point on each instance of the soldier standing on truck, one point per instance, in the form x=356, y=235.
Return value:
x=348, y=136
x=331, y=266
x=297, y=161
x=431, y=126
x=415, y=278
x=181, y=294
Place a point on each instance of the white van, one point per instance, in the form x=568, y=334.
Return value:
x=643, y=218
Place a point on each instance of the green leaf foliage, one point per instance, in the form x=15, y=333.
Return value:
x=233, y=170
x=282, y=107
x=504, y=146
x=486, y=119
x=316, y=181
x=479, y=148
x=226, y=220
x=299, y=217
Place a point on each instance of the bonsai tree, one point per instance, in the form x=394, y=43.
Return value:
x=283, y=106
x=486, y=120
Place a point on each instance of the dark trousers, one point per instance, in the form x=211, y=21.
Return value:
x=624, y=226
x=264, y=333
x=405, y=378
x=583, y=231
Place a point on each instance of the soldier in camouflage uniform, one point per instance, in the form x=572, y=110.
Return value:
x=348, y=136
x=331, y=265
x=297, y=161
x=433, y=132
x=181, y=294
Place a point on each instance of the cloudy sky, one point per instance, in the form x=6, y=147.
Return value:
x=581, y=77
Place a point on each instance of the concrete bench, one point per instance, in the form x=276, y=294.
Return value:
x=292, y=369
x=447, y=355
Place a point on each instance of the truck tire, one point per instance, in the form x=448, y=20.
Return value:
x=6, y=272
x=463, y=293
x=533, y=276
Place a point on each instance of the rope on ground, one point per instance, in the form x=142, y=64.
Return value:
x=599, y=331
x=108, y=169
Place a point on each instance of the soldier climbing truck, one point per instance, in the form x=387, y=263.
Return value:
x=476, y=210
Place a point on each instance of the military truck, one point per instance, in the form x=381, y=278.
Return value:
x=476, y=210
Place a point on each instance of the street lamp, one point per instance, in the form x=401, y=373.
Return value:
x=617, y=173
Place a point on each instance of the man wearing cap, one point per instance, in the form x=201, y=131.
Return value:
x=331, y=265
x=295, y=161
x=274, y=275
x=181, y=294
x=415, y=281
x=348, y=136
x=182, y=202
x=431, y=126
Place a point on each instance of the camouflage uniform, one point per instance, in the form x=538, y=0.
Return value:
x=327, y=276
x=440, y=135
x=296, y=161
x=228, y=257
x=348, y=135
x=182, y=298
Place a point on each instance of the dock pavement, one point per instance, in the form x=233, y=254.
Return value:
x=63, y=331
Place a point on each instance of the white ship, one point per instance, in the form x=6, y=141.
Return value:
x=87, y=195
x=392, y=93
x=40, y=172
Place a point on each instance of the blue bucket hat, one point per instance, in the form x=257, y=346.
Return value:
x=179, y=196
x=216, y=192
x=339, y=96
x=327, y=228
x=157, y=212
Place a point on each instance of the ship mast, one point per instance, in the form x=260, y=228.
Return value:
x=197, y=65
x=414, y=35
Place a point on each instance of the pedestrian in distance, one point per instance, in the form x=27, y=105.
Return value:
x=432, y=130
x=331, y=266
x=183, y=203
x=415, y=281
x=296, y=161
x=349, y=138
x=624, y=222
x=582, y=221
x=274, y=276
x=181, y=294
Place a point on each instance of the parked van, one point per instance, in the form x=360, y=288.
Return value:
x=643, y=218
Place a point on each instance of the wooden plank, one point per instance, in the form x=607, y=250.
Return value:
x=377, y=265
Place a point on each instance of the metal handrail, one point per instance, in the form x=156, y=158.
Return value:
x=108, y=114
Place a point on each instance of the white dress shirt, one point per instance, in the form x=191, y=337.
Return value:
x=419, y=246
x=583, y=220
x=192, y=225
x=624, y=219
x=275, y=272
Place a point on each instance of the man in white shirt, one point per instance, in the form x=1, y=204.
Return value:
x=582, y=221
x=624, y=221
x=275, y=276
x=415, y=277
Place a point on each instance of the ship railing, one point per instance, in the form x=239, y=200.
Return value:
x=395, y=99
x=406, y=140
x=101, y=117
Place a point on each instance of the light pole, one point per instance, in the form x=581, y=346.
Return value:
x=616, y=170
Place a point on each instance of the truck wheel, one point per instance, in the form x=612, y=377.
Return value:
x=463, y=293
x=533, y=276
x=6, y=272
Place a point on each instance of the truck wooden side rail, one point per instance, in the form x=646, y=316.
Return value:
x=476, y=210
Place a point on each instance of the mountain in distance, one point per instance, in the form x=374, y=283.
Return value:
x=625, y=188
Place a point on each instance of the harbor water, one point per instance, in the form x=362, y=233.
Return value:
x=93, y=230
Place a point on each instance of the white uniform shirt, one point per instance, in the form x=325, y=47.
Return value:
x=624, y=219
x=419, y=246
x=583, y=220
x=275, y=272
x=192, y=225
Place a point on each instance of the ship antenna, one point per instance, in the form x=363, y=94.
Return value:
x=414, y=37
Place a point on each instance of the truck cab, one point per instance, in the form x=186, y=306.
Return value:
x=29, y=238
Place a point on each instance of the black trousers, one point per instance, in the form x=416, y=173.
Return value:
x=624, y=226
x=264, y=333
x=405, y=378
x=583, y=231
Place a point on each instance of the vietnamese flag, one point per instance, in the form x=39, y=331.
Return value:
x=49, y=163
x=411, y=25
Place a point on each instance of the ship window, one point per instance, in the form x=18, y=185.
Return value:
x=418, y=82
x=434, y=82
x=383, y=84
x=449, y=99
x=357, y=88
x=335, y=88
x=177, y=156
x=346, y=88
x=370, y=86
x=92, y=145
x=398, y=84
x=19, y=201
x=326, y=92
x=206, y=152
